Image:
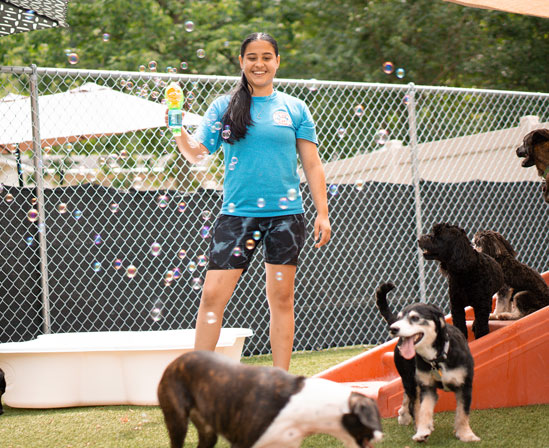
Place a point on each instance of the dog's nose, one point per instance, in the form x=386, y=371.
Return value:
x=394, y=330
x=520, y=151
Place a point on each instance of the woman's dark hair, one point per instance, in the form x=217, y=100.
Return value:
x=238, y=116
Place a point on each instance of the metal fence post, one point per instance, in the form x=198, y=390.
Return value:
x=411, y=106
x=38, y=174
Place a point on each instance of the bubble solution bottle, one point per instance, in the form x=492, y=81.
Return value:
x=174, y=101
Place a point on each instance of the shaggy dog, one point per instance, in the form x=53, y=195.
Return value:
x=442, y=361
x=473, y=277
x=260, y=407
x=526, y=292
x=406, y=368
x=535, y=150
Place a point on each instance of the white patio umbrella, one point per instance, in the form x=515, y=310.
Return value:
x=538, y=8
x=87, y=111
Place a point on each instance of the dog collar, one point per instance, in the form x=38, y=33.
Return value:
x=434, y=363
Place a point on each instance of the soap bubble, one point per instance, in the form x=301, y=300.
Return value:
x=142, y=68
x=292, y=194
x=256, y=235
x=97, y=240
x=382, y=137
x=196, y=283
x=182, y=254
x=283, y=203
x=117, y=264
x=341, y=132
x=201, y=53
x=206, y=215
x=114, y=207
x=131, y=271
x=400, y=72
x=189, y=26
x=162, y=201
x=77, y=214
x=8, y=198
x=359, y=184
x=32, y=215
x=168, y=277
x=184, y=66
x=34, y=201
x=388, y=67
x=211, y=318
x=261, y=202
x=156, y=312
x=155, y=249
x=237, y=251
x=202, y=260
x=278, y=276
x=226, y=134
x=153, y=66
x=231, y=207
x=73, y=58
x=181, y=207
x=106, y=37
x=96, y=266
x=250, y=244
x=29, y=240
x=359, y=110
x=176, y=273
x=312, y=87
x=332, y=189
x=406, y=100
x=205, y=232
x=191, y=266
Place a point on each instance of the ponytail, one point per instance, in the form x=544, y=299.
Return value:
x=238, y=115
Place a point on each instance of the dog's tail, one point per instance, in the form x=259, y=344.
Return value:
x=381, y=302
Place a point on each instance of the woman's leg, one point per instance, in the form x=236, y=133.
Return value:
x=280, y=295
x=216, y=292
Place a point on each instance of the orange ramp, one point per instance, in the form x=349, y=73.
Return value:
x=511, y=367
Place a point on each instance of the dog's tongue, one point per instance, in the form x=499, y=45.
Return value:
x=407, y=349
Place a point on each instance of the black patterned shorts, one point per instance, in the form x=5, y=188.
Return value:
x=235, y=238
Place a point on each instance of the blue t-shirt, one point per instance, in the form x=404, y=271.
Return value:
x=261, y=177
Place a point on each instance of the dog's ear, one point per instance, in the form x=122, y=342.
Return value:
x=366, y=410
x=539, y=136
x=503, y=246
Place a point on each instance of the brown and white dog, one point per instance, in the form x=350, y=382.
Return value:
x=535, y=150
x=260, y=407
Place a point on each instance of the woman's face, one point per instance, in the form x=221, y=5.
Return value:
x=259, y=64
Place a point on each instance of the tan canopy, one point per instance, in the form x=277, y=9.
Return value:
x=538, y=8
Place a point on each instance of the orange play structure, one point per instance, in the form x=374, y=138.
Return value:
x=511, y=367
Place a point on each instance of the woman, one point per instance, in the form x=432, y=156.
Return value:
x=259, y=130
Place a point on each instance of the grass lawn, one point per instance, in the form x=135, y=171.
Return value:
x=143, y=426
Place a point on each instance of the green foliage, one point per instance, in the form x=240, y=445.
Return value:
x=437, y=43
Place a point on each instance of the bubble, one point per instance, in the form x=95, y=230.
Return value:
x=106, y=37
x=283, y=203
x=97, y=240
x=234, y=160
x=261, y=202
x=232, y=166
x=231, y=207
x=182, y=253
x=184, y=66
x=332, y=189
x=96, y=266
x=202, y=260
x=256, y=235
x=73, y=58
x=191, y=266
x=162, y=201
x=8, y=198
x=34, y=201
x=176, y=273
x=359, y=110
x=312, y=87
x=359, y=184
x=142, y=68
x=32, y=215
x=278, y=276
x=168, y=277
x=211, y=318
x=47, y=150
x=153, y=66
x=196, y=283
x=237, y=251
x=292, y=194
x=117, y=264
x=156, y=312
x=129, y=85
x=381, y=137
x=406, y=100
x=29, y=240
x=341, y=132
x=155, y=249
x=131, y=271
x=400, y=72
x=201, y=53
x=77, y=214
x=226, y=134
x=189, y=26
x=388, y=67
x=114, y=207
x=29, y=15
x=206, y=215
x=205, y=232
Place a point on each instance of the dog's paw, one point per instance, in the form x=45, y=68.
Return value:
x=467, y=436
x=421, y=436
x=493, y=316
x=404, y=419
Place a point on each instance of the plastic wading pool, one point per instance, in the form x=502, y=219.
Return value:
x=98, y=368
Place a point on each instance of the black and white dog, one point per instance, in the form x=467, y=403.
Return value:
x=442, y=361
x=260, y=407
x=406, y=368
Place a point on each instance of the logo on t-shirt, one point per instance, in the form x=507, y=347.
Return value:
x=282, y=118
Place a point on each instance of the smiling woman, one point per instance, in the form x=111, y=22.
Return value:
x=263, y=133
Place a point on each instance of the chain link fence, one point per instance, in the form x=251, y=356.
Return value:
x=104, y=226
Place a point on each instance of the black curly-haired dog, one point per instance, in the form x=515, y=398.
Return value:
x=473, y=277
x=527, y=291
x=406, y=368
x=535, y=150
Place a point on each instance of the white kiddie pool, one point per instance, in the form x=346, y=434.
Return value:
x=99, y=368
